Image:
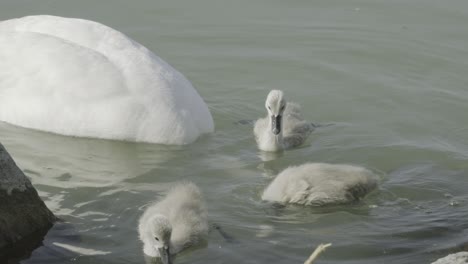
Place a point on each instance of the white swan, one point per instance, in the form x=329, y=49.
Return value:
x=175, y=223
x=456, y=258
x=320, y=184
x=283, y=127
x=80, y=78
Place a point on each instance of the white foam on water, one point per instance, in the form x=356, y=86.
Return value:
x=80, y=250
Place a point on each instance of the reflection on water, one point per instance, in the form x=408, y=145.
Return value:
x=269, y=156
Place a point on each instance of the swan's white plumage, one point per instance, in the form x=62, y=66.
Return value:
x=81, y=78
x=320, y=184
x=294, y=132
x=185, y=210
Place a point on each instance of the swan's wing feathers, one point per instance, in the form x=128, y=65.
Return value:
x=294, y=122
x=293, y=141
x=304, y=128
x=293, y=109
x=296, y=129
x=297, y=135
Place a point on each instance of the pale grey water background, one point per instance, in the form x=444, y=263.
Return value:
x=392, y=76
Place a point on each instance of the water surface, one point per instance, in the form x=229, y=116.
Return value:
x=391, y=75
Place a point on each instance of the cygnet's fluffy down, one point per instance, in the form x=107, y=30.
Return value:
x=80, y=78
x=320, y=184
x=178, y=221
x=457, y=258
x=283, y=127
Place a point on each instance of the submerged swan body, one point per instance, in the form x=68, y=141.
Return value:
x=178, y=221
x=80, y=78
x=283, y=127
x=320, y=184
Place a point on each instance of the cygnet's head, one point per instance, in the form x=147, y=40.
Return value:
x=275, y=105
x=160, y=231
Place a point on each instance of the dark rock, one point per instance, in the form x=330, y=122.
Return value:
x=24, y=218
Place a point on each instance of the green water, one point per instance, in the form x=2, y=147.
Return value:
x=390, y=75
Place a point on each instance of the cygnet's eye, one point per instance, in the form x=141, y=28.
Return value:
x=269, y=107
x=282, y=108
x=157, y=239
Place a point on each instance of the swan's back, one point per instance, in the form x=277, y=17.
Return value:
x=81, y=78
x=320, y=184
x=296, y=129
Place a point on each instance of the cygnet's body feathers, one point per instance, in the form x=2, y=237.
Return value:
x=185, y=209
x=296, y=129
x=320, y=184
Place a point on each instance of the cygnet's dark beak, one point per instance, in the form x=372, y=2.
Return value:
x=165, y=255
x=276, y=124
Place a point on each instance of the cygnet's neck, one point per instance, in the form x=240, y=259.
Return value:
x=270, y=141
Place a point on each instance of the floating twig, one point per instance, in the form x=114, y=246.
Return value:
x=318, y=250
